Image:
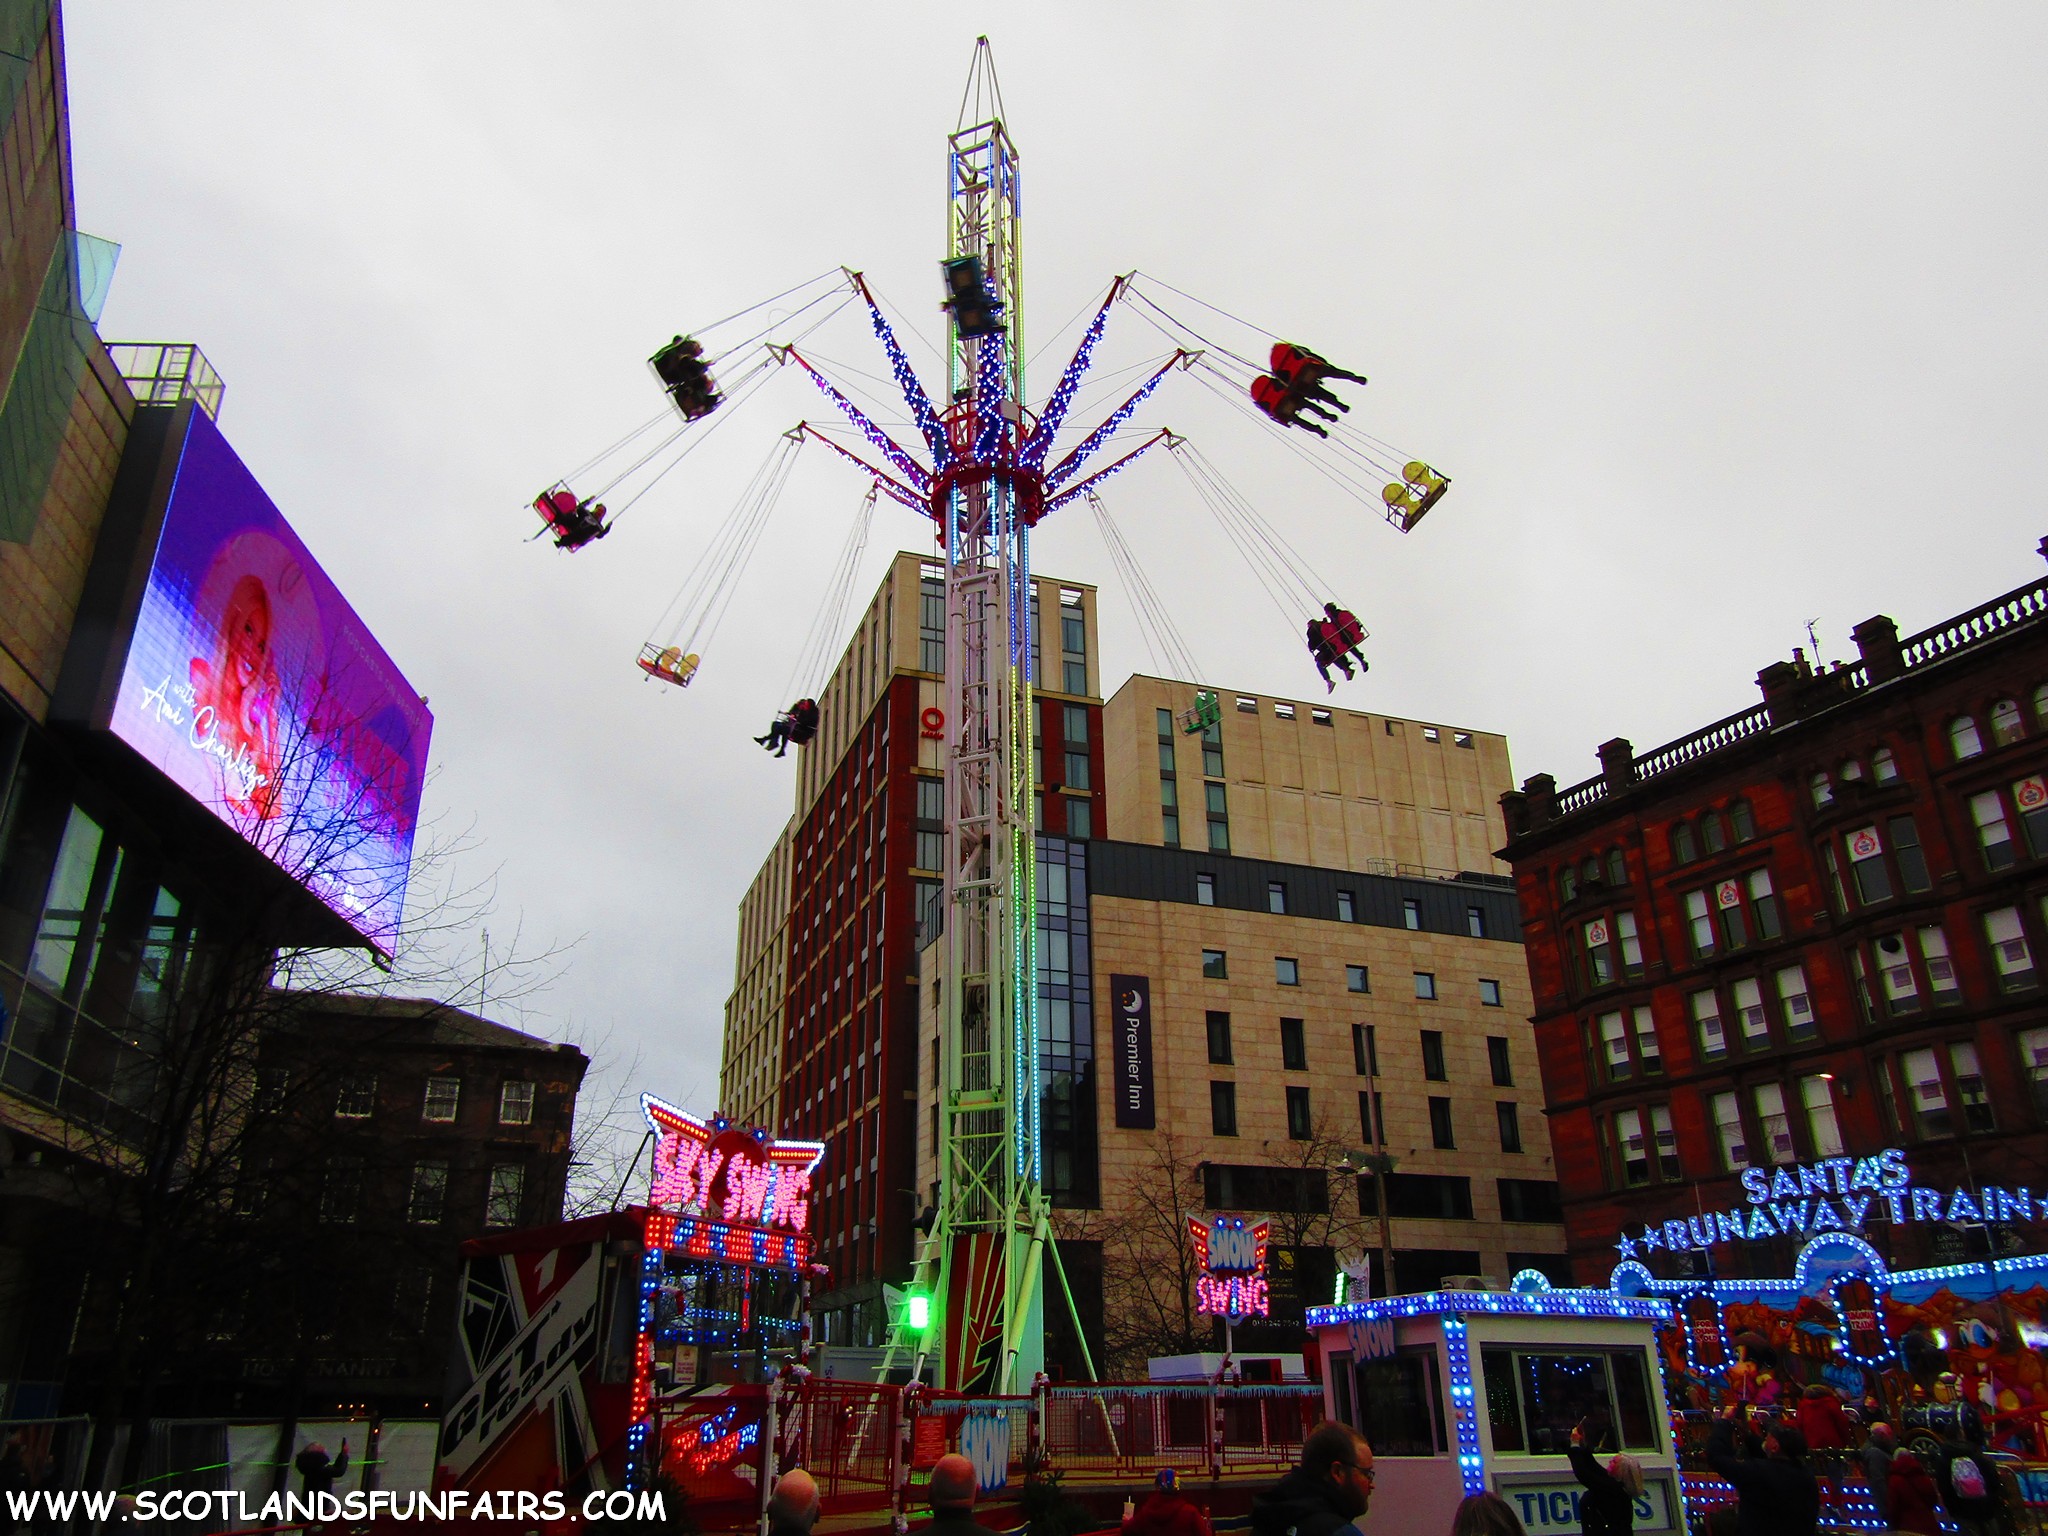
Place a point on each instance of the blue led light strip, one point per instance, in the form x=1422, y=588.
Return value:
x=1503, y=1303
x=1082, y=487
x=1061, y=471
x=912, y=471
x=907, y=381
x=988, y=397
x=1040, y=441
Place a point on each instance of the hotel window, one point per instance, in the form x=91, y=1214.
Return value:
x=1205, y=890
x=1347, y=907
x=1648, y=1052
x=1775, y=1124
x=1895, y=970
x=930, y=812
x=1970, y=1092
x=1425, y=985
x=1219, y=817
x=1728, y=1132
x=1433, y=1056
x=444, y=1096
x=1223, y=1109
x=1510, y=1121
x=1489, y=993
x=1357, y=979
x=1215, y=964
x=1475, y=922
x=1293, y=1046
x=1941, y=971
x=1963, y=739
x=1818, y=1095
x=2033, y=1048
x=1073, y=644
x=1365, y=1050
x=1282, y=711
x=1247, y=706
x=2006, y=725
x=1614, y=1048
x=1368, y=1105
x=1440, y=1125
x=1080, y=817
x=1924, y=1091
x=1497, y=1058
x=1212, y=750
x=1286, y=971
x=1707, y=1026
x=1411, y=914
x=2010, y=956
x=1219, y=1038
x=1276, y=896
x=1796, y=1002
x=1300, y=1127
x=1748, y=998
x=931, y=625
x=1322, y=717
x=515, y=1104
x=1169, y=783
x=1994, y=837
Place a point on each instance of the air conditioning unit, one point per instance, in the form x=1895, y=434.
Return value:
x=1471, y=1283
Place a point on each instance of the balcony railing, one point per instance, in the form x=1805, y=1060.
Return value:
x=167, y=373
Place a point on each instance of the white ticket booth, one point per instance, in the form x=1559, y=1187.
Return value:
x=1461, y=1391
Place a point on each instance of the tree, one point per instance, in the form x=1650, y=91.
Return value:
x=1148, y=1264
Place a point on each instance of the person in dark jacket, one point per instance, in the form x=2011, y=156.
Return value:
x=952, y=1490
x=1774, y=1493
x=1167, y=1511
x=1914, y=1503
x=1876, y=1457
x=1326, y=1492
x=320, y=1473
x=1608, y=1506
x=1970, y=1491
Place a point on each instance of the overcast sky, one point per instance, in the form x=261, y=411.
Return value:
x=1722, y=319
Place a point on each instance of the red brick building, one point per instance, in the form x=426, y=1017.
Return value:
x=1813, y=929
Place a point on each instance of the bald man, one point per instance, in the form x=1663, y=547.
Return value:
x=951, y=1491
x=793, y=1506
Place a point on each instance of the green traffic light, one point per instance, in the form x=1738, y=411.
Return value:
x=917, y=1311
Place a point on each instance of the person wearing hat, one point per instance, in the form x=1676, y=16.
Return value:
x=1167, y=1511
x=951, y=1491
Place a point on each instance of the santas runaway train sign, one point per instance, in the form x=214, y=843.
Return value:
x=1836, y=1194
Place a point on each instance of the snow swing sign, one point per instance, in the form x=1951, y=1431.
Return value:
x=1232, y=1260
x=1836, y=1194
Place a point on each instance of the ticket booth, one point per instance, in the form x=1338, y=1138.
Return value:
x=1464, y=1391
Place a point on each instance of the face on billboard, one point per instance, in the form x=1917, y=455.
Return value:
x=252, y=683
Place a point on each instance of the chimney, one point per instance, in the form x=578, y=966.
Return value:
x=1877, y=641
x=1780, y=682
x=1539, y=790
x=1617, y=764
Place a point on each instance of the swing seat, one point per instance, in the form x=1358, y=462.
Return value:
x=1418, y=489
x=668, y=663
x=1206, y=711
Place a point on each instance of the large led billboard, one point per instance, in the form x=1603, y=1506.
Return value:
x=251, y=682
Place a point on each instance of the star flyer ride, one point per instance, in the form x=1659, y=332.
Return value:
x=986, y=467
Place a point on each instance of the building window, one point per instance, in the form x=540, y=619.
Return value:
x=1368, y=1103
x=1489, y=993
x=1796, y=1003
x=1775, y=1123
x=1425, y=985
x=1205, y=890
x=1866, y=866
x=1510, y=1126
x=444, y=1096
x=1603, y=937
x=1895, y=969
x=1214, y=965
x=931, y=625
x=1440, y=1124
x=1962, y=1061
x=1567, y=885
x=2006, y=725
x=429, y=1198
x=1648, y=1051
x=1282, y=711
x=515, y=1104
x=1293, y=1046
x=357, y=1098
x=930, y=811
x=1941, y=971
x=2010, y=956
x=1740, y=818
x=1632, y=1146
x=341, y=1189
x=1475, y=922
x=1073, y=644
x=272, y=1083
x=1924, y=1091
x=1219, y=818
x=1276, y=896
x=1080, y=817
x=1411, y=914
x=1712, y=838
x=1433, y=1056
x=508, y=1185
x=1528, y=1200
x=1706, y=1022
x=1994, y=837
x=1963, y=739
x=1748, y=998
x=2033, y=1048
x=1286, y=971
x=1728, y=1133
x=1321, y=717
x=1219, y=1038
x=1299, y=1125
x=1614, y=1048
x=1884, y=768
x=1823, y=790
x=1212, y=751
x=1347, y=907
x=1223, y=1109
x=1365, y=1049
x=1818, y=1095
x=1666, y=1138
x=1357, y=979
x=1497, y=1058
x=1683, y=850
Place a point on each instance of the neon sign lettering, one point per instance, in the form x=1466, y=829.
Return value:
x=1232, y=1258
x=716, y=1169
x=1836, y=1194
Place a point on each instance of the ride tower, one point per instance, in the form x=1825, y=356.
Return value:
x=989, y=1229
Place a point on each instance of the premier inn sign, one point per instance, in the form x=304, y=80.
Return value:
x=1836, y=1194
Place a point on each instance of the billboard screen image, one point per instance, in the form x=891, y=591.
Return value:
x=251, y=683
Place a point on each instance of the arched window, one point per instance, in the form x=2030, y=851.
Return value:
x=1567, y=883
x=1712, y=838
x=1617, y=867
x=1743, y=822
x=1851, y=771
x=1823, y=790
x=1963, y=739
x=2006, y=725
x=1589, y=872
x=1883, y=767
x=2041, y=703
x=1682, y=849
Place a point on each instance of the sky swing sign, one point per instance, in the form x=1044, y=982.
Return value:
x=1836, y=1194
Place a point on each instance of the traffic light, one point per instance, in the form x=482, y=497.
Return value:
x=917, y=1311
x=974, y=312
